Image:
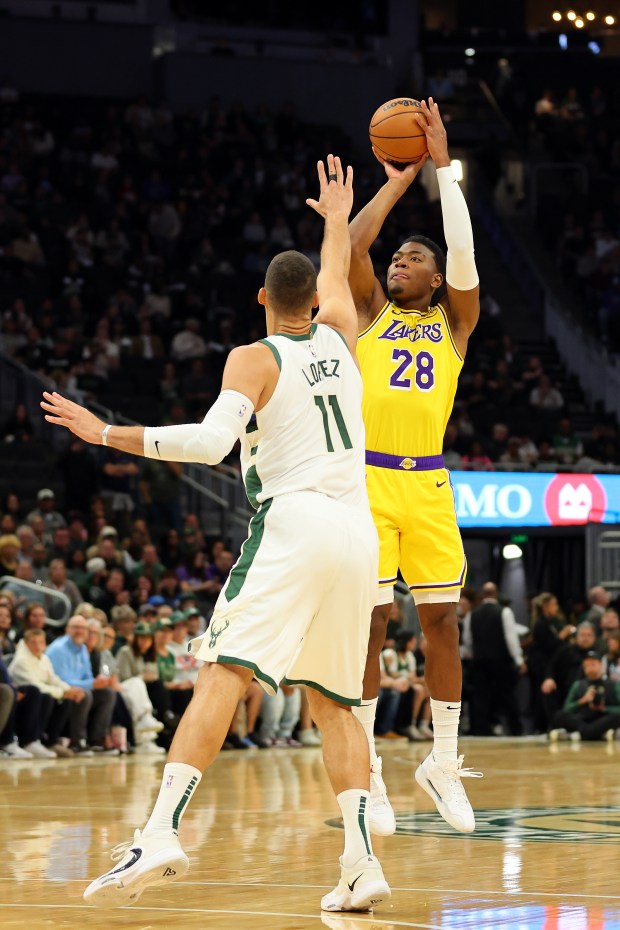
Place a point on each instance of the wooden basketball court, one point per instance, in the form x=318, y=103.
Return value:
x=263, y=839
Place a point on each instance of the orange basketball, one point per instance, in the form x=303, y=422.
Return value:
x=394, y=132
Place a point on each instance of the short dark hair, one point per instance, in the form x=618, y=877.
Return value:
x=438, y=255
x=290, y=281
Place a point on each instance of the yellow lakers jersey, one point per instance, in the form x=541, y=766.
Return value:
x=410, y=368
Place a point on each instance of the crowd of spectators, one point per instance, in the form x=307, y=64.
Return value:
x=581, y=125
x=558, y=677
x=118, y=675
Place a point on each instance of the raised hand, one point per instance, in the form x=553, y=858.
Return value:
x=78, y=420
x=335, y=189
x=429, y=120
x=407, y=174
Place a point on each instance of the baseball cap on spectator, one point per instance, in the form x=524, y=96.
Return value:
x=592, y=654
x=94, y=565
x=191, y=612
x=157, y=600
x=164, y=623
x=187, y=596
x=177, y=617
x=108, y=531
x=45, y=494
x=147, y=609
x=143, y=629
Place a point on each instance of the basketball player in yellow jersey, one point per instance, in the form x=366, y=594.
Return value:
x=411, y=348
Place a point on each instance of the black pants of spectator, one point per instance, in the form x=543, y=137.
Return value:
x=494, y=694
x=58, y=722
x=122, y=718
x=180, y=700
x=101, y=712
x=590, y=729
x=165, y=701
x=26, y=717
x=7, y=699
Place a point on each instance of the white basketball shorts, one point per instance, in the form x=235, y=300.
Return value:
x=296, y=607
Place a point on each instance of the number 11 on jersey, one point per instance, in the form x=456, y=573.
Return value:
x=332, y=400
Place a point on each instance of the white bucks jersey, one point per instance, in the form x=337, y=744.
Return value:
x=310, y=435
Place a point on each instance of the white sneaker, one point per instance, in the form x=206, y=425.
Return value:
x=14, y=751
x=39, y=751
x=575, y=736
x=557, y=734
x=443, y=784
x=150, y=749
x=414, y=734
x=380, y=813
x=310, y=737
x=149, y=724
x=145, y=861
x=360, y=888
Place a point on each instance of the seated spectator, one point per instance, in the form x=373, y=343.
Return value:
x=545, y=396
x=512, y=455
x=59, y=581
x=169, y=587
x=181, y=690
x=391, y=690
x=187, y=665
x=528, y=453
x=33, y=618
x=69, y=657
x=566, y=446
x=565, y=668
x=115, y=593
x=9, y=551
x=188, y=343
x=196, y=578
x=21, y=716
x=414, y=711
x=499, y=441
x=18, y=427
x=60, y=701
x=612, y=658
x=149, y=565
x=549, y=632
x=476, y=459
x=46, y=510
x=610, y=623
x=8, y=632
x=123, y=619
x=592, y=707
x=138, y=659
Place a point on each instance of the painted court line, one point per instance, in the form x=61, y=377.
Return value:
x=200, y=910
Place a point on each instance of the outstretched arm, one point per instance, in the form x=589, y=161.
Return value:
x=249, y=378
x=336, y=307
x=463, y=304
x=367, y=292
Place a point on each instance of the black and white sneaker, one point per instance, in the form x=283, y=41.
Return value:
x=145, y=861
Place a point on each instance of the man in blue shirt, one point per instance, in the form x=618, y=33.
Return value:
x=71, y=662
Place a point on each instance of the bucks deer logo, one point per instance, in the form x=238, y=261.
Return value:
x=215, y=632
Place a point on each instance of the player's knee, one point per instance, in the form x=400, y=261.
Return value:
x=440, y=624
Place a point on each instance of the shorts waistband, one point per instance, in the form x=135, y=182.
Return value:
x=423, y=463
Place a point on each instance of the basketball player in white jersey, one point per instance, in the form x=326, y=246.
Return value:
x=300, y=595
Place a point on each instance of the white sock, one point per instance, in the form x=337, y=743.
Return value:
x=178, y=784
x=354, y=806
x=366, y=714
x=446, y=716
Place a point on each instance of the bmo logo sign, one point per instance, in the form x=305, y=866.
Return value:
x=492, y=503
x=517, y=499
x=572, y=499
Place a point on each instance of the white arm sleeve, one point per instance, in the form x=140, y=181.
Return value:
x=207, y=442
x=511, y=636
x=461, y=271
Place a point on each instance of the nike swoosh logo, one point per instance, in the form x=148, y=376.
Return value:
x=439, y=484
x=353, y=883
x=452, y=708
x=157, y=447
x=137, y=854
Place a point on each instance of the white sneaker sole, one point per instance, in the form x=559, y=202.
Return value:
x=444, y=810
x=382, y=826
x=365, y=899
x=122, y=889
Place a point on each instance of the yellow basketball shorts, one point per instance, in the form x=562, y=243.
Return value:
x=416, y=522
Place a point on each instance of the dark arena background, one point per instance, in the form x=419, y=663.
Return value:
x=154, y=156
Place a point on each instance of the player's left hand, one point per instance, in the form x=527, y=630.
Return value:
x=429, y=120
x=336, y=189
x=78, y=420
